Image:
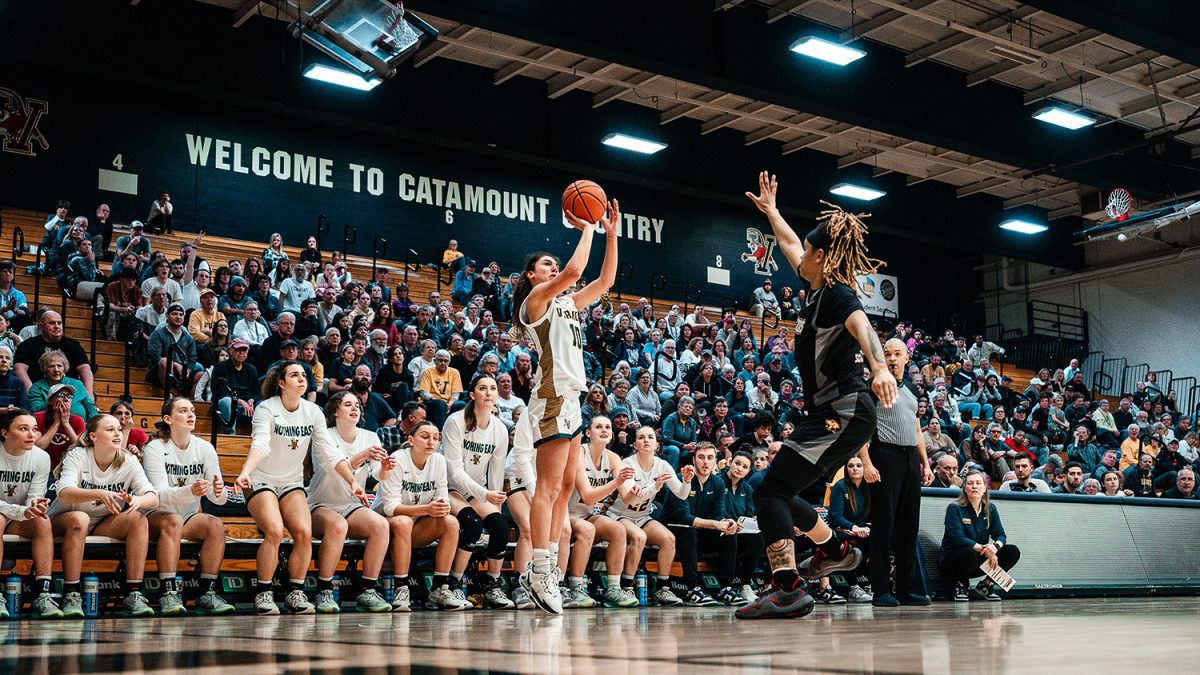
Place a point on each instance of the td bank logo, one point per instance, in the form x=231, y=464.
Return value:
x=19, y=118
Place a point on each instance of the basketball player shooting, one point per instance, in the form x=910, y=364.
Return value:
x=552, y=423
x=833, y=338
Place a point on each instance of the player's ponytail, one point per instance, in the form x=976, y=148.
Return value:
x=843, y=237
x=470, y=421
x=162, y=430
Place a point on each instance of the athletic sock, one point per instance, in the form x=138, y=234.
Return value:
x=263, y=586
x=132, y=586
x=614, y=580
x=441, y=579
x=543, y=562
x=296, y=584
x=831, y=547
x=553, y=551
x=44, y=583
x=626, y=582
x=208, y=582
x=324, y=584
x=71, y=586
x=370, y=583
x=786, y=579
x=577, y=582
x=168, y=582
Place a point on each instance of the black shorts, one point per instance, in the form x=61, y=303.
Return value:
x=832, y=434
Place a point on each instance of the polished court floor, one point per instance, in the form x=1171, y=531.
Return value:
x=1026, y=636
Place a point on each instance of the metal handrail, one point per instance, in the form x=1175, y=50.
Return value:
x=127, y=396
x=624, y=271
x=409, y=265
x=1112, y=378
x=376, y=252
x=349, y=236
x=62, y=311
x=100, y=315
x=691, y=293
x=762, y=330
x=1127, y=382
x=658, y=282
x=37, y=275
x=18, y=242
x=323, y=225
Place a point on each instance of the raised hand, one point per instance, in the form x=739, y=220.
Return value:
x=768, y=188
x=611, y=222
x=688, y=473
x=626, y=473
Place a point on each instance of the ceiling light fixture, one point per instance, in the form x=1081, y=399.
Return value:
x=1068, y=119
x=827, y=51
x=633, y=143
x=1023, y=226
x=853, y=191
x=343, y=78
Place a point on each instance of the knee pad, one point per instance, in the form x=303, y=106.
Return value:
x=497, y=529
x=469, y=528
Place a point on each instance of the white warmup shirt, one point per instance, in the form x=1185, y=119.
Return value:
x=476, y=458
x=409, y=486
x=23, y=479
x=172, y=471
x=79, y=470
x=283, y=439
x=329, y=489
x=645, y=480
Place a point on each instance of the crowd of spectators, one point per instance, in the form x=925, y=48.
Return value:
x=212, y=328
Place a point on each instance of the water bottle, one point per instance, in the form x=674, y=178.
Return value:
x=337, y=591
x=643, y=591
x=91, y=595
x=12, y=596
x=385, y=587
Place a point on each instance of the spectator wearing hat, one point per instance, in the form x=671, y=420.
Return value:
x=1169, y=459
x=60, y=428
x=235, y=386
x=53, y=365
x=171, y=344
x=464, y=281
x=124, y=299
x=202, y=320
x=135, y=242
x=233, y=303
x=1034, y=391
x=763, y=300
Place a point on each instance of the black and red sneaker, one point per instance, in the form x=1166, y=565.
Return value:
x=779, y=603
x=822, y=564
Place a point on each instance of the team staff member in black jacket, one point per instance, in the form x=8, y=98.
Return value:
x=974, y=533
x=698, y=521
x=896, y=467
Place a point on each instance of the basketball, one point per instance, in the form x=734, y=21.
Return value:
x=586, y=200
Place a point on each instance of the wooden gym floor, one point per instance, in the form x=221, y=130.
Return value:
x=1027, y=636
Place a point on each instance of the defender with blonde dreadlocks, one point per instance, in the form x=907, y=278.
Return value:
x=833, y=340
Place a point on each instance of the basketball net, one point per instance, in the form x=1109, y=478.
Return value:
x=398, y=34
x=1119, y=203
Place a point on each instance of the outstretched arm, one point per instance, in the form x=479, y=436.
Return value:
x=785, y=237
x=542, y=294
x=608, y=272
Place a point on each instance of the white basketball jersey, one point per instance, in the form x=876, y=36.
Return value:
x=558, y=340
x=597, y=476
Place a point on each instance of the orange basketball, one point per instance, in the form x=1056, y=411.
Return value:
x=585, y=200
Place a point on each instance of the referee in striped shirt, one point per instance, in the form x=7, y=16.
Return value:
x=895, y=466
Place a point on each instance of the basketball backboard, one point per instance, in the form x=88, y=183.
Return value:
x=372, y=37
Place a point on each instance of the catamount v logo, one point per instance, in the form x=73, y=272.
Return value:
x=19, y=118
